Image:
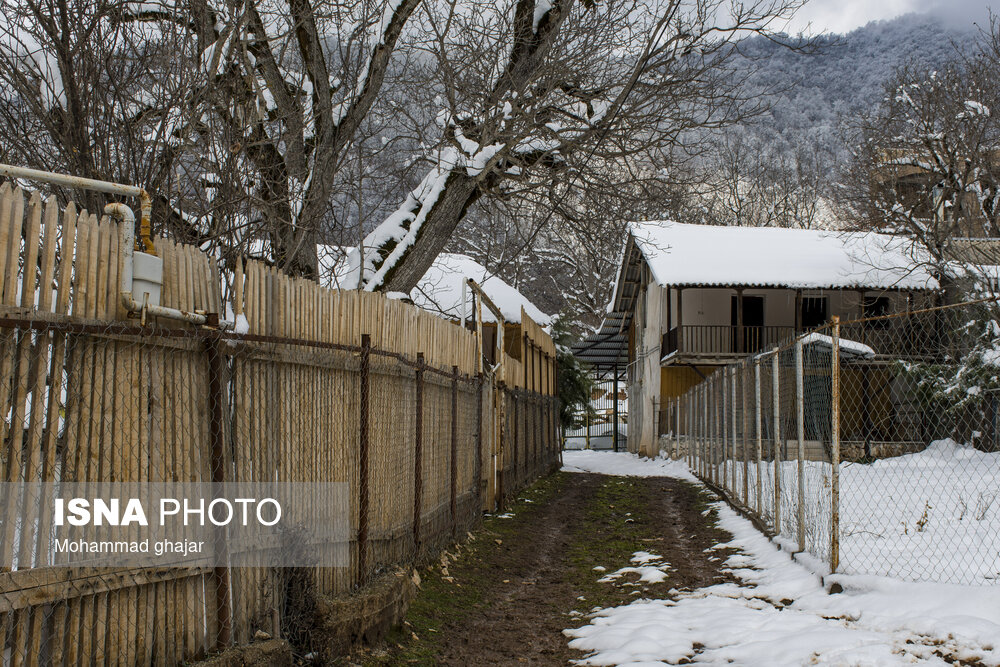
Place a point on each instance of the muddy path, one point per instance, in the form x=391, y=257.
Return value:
x=504, y=596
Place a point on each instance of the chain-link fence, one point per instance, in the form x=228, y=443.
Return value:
x=315, y=388
x=872, y=444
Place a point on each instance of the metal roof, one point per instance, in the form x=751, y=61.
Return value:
x=606, y=348
x=689, y=255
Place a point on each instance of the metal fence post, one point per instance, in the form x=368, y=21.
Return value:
x=217, y=411
x=698, y=434
x=688, y=446
x=480, y=384
x=835, y=446
x=724, y=386
x=760, y=443
x=418, y=453
x=677, y=426
x=453, y=504
x=717, y=432
x=366, y=349
x=732, y=402
x=709, y=431
x=775, y=398
x=704, y=431
x=801, y=422
x=746, y=454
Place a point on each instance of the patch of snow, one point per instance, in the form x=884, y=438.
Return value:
x=542, y=7
x=851, y=347
x=780, y=614
x=624, y=464
x=440, y=290
x=977, y=108
x=645, y=557
x=649, y=574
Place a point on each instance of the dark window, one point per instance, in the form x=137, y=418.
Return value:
x=813, y=311
x=876, y=306
x=753, y=323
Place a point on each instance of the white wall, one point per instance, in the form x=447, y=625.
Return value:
x=644, y=376
x=712, y=306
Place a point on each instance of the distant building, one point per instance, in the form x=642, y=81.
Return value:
x=440, y=292
x=692, y=298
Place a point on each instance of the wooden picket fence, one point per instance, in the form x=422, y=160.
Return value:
x=323, y=386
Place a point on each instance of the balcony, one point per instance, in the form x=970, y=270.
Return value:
x=714, y=344
x=922, y=337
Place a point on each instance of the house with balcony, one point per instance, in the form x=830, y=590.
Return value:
x=691, y=298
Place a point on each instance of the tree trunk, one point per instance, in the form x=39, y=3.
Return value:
x=460, y=192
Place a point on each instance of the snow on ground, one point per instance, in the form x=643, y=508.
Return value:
x=929, y=516
x=650, y=567
x=933, y=515
x=780, y=613
x=624, y=463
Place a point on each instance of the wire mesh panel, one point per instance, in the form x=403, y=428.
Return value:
x=815, y=462
x=871, y=444
x=920, y=468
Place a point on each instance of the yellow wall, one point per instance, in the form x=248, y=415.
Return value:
x=675, y=380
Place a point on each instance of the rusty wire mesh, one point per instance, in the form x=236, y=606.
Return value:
x=89, y=394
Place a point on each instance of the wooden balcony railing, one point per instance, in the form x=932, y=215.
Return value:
x=722, y=340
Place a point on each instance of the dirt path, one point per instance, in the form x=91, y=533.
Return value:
x=504, y=597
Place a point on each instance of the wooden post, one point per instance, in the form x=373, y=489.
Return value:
x=733, y=380
x=704, y=430
x=776, y=428
x=480, y=383
x=217, y=410
x=746, y=454
x=740, y=342
x=760, y=443
x=453, y=503
x=680, y=320
x=677, y=425
x=798, y=310
x=724, y=431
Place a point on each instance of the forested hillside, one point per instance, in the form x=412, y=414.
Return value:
x=810, y=92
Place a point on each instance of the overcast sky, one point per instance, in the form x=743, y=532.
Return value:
x=845, y=15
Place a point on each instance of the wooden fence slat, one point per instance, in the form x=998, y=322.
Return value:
x=100, y=408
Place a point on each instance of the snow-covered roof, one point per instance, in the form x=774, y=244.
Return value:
x=440, y=290
x=681, y=254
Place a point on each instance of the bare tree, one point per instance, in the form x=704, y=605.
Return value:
x=926, y=162
x=564, y=253
x=238, y=114
x=83, y=92
x=531, y=94
x=747, y=183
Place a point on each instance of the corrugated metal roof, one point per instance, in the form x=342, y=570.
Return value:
x=608, y=346
x=685, y=255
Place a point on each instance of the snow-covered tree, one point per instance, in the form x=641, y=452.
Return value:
x=532, y=94
x=927, y=160
x=239, y=115
x=85, y=93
